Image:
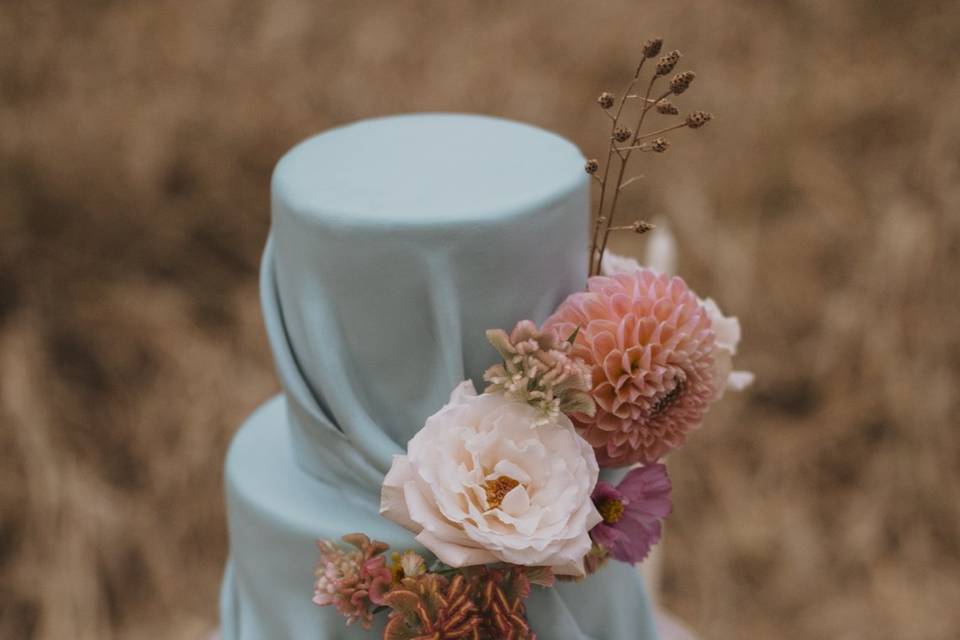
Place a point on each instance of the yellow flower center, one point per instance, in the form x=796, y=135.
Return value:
x=498, y=489
x=396, y=569
x=610, y=510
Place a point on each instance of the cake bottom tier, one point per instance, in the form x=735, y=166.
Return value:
x=276, y=512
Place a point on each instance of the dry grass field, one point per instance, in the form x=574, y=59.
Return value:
x=822, y=206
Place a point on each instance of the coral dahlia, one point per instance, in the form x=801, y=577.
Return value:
x=650, y=345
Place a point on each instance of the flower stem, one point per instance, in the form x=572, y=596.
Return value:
x=606, y=168
x=656, y=133
x=647, y=105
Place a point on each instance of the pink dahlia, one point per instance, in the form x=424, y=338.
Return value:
x=632, y=512
x=354, y=580
x=650, y=345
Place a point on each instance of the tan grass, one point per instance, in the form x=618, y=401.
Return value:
x=821, y=206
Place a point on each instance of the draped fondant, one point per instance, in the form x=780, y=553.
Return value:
x=395, y=243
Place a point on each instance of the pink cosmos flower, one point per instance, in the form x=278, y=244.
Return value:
x=649, y=343
x=632, y=512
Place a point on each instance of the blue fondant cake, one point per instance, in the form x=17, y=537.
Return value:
x=395, y=243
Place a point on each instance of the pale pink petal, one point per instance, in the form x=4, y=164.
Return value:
x=739, y=380
x=455, y=555
x=393, y=506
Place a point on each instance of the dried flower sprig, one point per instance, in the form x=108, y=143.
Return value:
x=624, y=140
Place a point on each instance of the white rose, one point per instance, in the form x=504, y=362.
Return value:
x=480, y=485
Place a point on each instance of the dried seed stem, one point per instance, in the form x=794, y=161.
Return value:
x=625, y=157
x=653, y=134
x=615, y=120
x=623, y=141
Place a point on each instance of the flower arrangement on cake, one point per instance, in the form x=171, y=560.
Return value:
x=503, y=487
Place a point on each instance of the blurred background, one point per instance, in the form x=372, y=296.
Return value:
x=822, y=206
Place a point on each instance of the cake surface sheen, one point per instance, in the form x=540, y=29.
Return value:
x=395, y=243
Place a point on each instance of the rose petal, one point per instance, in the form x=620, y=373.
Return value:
x=455, y=555
x=393, y=506
x=516, y=502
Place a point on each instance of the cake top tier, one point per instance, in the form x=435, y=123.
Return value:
x=427, y=169
x=394, y=245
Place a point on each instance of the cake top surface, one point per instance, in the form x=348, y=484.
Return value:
x=428, y=168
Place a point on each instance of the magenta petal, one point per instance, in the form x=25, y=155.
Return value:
x=636, y=529
x=658, y=508
x=645, y=495
x=605, y=491
x=636, y=542
x=647, y=481
x=604, y=535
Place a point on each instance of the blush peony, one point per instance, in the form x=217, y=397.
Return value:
x=480, y=484
x=651, y=346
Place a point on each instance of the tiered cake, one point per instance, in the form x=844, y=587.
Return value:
x=395, y=244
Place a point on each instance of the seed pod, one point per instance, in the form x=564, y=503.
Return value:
x=697, y=119
x=681, y=82
x=605, y=100
x=659, y=145
x=652, y=47
x=666, y=63
x=667, y=108
x=592, y=166
x=622, y=134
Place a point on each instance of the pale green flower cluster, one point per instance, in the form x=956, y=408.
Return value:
x=538, y=369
